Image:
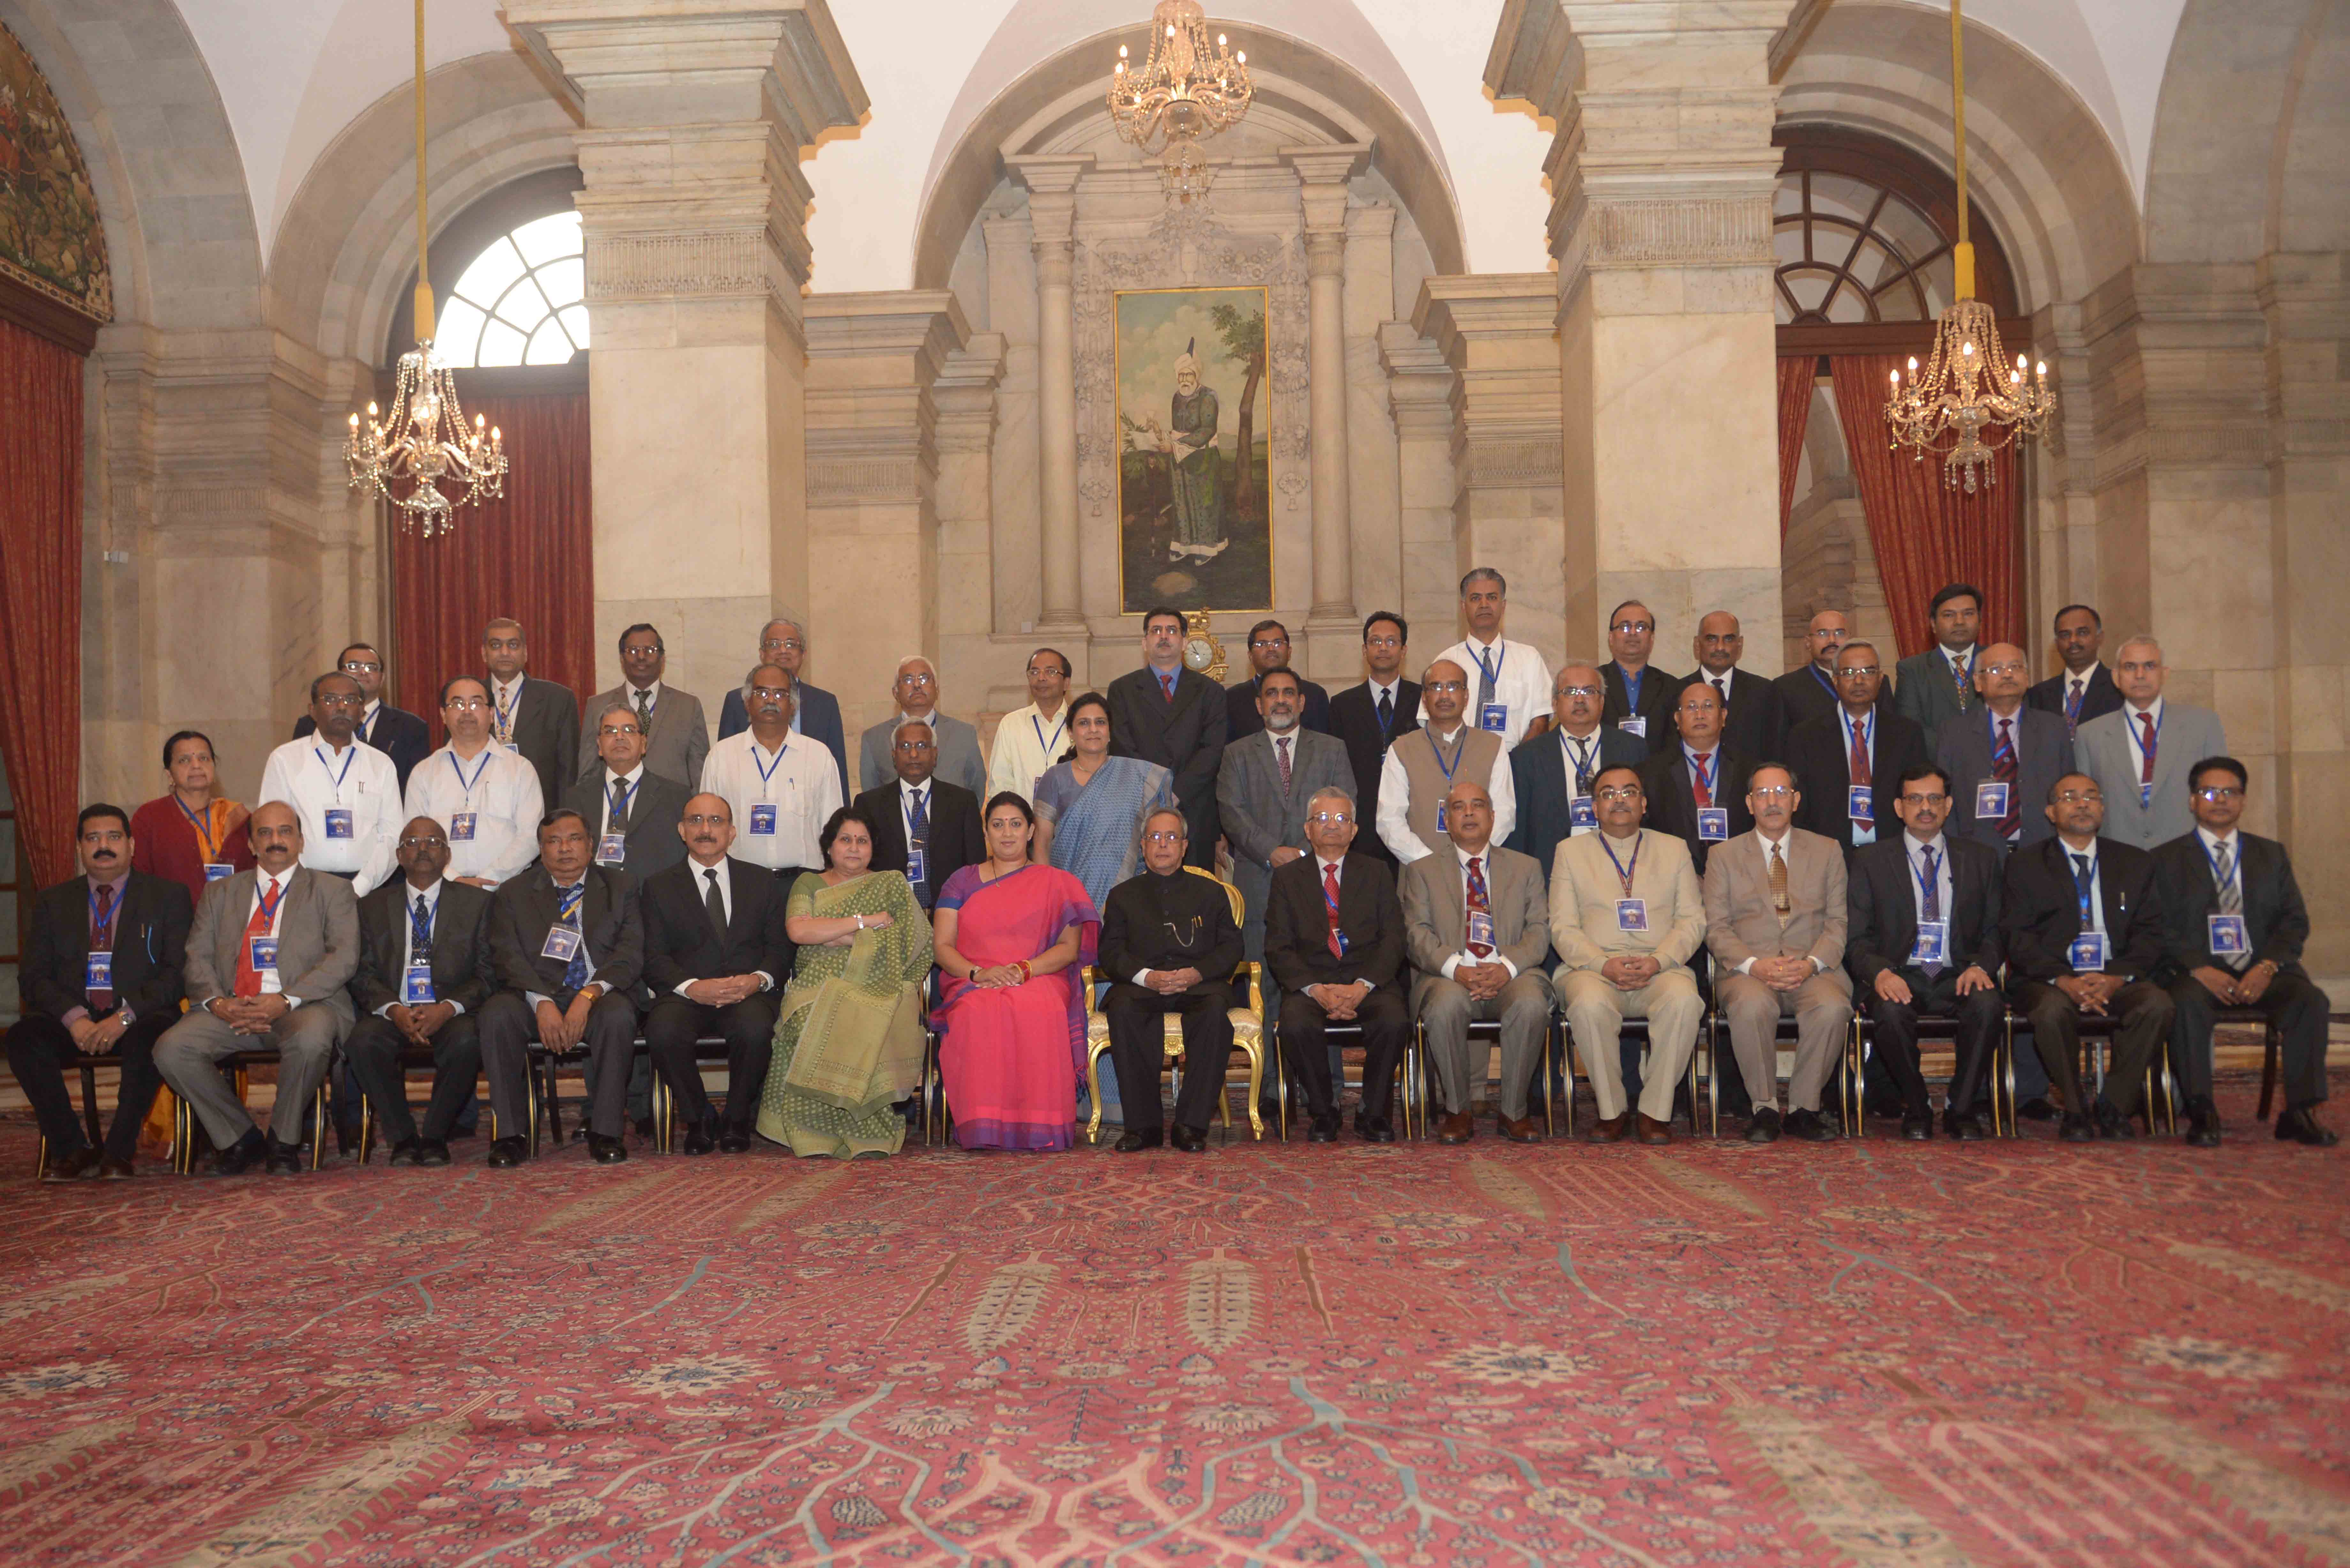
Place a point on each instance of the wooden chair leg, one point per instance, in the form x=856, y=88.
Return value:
x=2272, y=1056
x=319, y=1125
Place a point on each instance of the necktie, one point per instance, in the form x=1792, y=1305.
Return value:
x=1701, y=779
x=1330, y=906
x=566, y=912
x=1280, y=748
x=360, y=731
x=645, y=714
x=1479, y=902
x=2002, y=768
x=101, y=940
x=1166, y=684
x=1725, y=695
x=264, y=913
x=1859, y=766
x=2081, y=888
x=918, y=830
x=1779, y=883
x=713, y=901
x=2145, y=744
x=2231, y=894
x=1930, y=889
x=419, y=932
x=1484, y=681
x=616, y=817
x=2073, y=695
x=1387, y=711
x=505, y=717
x=1963, y=678
x=1582, y=765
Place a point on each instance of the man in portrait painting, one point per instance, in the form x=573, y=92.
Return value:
x=1195, y=466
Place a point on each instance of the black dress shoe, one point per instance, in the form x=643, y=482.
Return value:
x=1811, y=1126
x=241, y=1155
x=1374, y=1129
x=285, y=1158
x=734, y=1141
x=2077, y=1128
x=1763, y=1126
x=2298, y=1124
x=606, y=1150
x=83, y=1161
x=405, y=1152
x=1190, y=1140
x=2111, y=1123
x=432, y=1151
x=1134, y=1140
x=2202, y=1123
x=1918, y=1128
x=2037, y=1109
x=115, y=1170
x=1964, y=1126
x=701, y=1137
x=505, y=1153
x=1324, y=1129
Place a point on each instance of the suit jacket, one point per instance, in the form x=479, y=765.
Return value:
x=1298, y=925
x=1538, y=774
x=610, y=917
x=1354, y=720
x=1434, y=890
x=2276, y=922
x=2185, y=736
x=1584, y=886
x=1882, y=894
x=2044, y=754
x=1138, y=920
x=1805, y=698
x=546, y=733
x=1256, y=815
x=463, y=968
x=959, y=763
x=1660, y=693
x=1185, y=736
x=318, y=939
x=2103, y=697
x=1756, y=725
x=1241, y=717
x=956, y=836
x=2040, y=911
x=1823, y=766
x=654, y=812
x=152, y=917
x=680, y=944
x=681, y=737
x=819, y=721
x=1927, y=694
x=1740, y=922
x=1672, y=797
x=400, y=735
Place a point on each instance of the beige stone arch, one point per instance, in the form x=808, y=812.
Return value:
x=2212, y=161
x=2309, y=200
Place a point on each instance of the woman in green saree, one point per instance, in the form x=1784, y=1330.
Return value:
x=848, y=1044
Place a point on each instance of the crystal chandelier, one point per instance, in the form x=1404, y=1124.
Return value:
x=404, y=458
x=1185, y=93
x=1967, y=403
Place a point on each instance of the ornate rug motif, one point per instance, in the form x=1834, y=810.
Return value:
x=1877, y=1353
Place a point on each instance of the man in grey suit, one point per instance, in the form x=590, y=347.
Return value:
x=676, y=736
x=917, y=692
x=1476, y=931
x=627, y=806
x=1935, y=686
x=2141, y=753
x=539, y=719
x=1261, y=787
x=269, y=958
x=2002, y=757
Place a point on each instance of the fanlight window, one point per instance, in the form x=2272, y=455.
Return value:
x=520, y=301
x=1851, y=251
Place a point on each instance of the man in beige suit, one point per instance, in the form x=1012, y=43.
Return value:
x=1475, y=933
x=1774, y=913
x=269, y=958
x=1626, y=917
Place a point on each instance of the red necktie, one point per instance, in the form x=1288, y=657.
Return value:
x=1477, y=902
x=2002, y=767
x=1859, y=766
x=1700, y=772
x=2146, y=750
x=264, y=914
x=101, y=940
x=1330, y=905
x=1167, y=686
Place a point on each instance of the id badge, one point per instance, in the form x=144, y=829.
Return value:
x=1494, y=717
x=461, y=826
x=338, y=822
x=612, y=849
x=416, y=985
x=98, y=974
x=762, y=821
x=1990, y=800
x=1860, y=802
x=218, y=871
x=1638, y=724
x=1582, y=812
x=264, y=952
x=2088, y=952
x=562, y=944
x=915, y=870
x=1632, y=915
x=1481, y=928
x=1440, y=827
x=1933, y=942
x=2227, y=936
x=1713, y=825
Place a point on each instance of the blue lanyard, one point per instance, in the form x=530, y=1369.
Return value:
x=1387, y=725
x=2080, y=887
x=113, y=912
x=566, y=905
x=1459, y=751
x=1060, y=725
x=202, y=825
x=1578, y=762
x=1863, y=732
x=1703, y=767
x=1623, y=872
x=1825, y=681
x=767, y=770
x=1929, y=876
x=338, y=777
x=1492, y=671
x=269, y=902
x=2137, y=735
x=459, y=769
x=622, y=796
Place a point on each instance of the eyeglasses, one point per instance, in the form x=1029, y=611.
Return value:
x=2078, y=796
x=338, y=700
x=771, y=692
x=1627, y=628
x=643, y=652
x=1827, y=633
x=2008, y=668
x=1269, y=642
x=435, y=840
x=1774, y=793
x=1446, y=686
x=1582, y=691
x=914, y=679
x=2220, y=792
x=467, y=704
x=720, y=820
x=1162, y=836
x=361, y=667
x=780, y=644
x=1382, y=642
x=1849, y=671
x=1619, y=793
x=1937, y=801
x=1328, y=817
x=608, y=730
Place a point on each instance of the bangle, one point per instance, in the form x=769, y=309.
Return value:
x=860, y=922
x=1025, y=973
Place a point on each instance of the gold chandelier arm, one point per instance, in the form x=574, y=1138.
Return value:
x=424, y=282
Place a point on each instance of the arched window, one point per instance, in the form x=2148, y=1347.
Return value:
x=519, y=301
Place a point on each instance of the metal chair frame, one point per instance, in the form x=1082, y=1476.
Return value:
x=1712, y=1038
x=1635, y=1026
x=1420, y=1074
x=89, y=1066
x=665, y=1103
x=237, y=1068
x=2000, y=1081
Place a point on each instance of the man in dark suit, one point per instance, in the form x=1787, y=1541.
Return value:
x=815, y=712
x=1552, y=774
x=2081, y=923
x=917, y=810
x=2002, y=757
x=1268, y=648
x=1370, y=716
x=537, y=718
x=100, y=972
x=627, y=806
x=1696, y=786
x=1938, y=684
x=1333, y=941
x=1923, y=938
x=399, y=734
x=569, y=941
x=716, y=958
x=1639, y=695
x=2086, y=689
x=1756, y=720
x=2234, y=924
x=1837, y=759
x=424, y=972
x=1168, y=714
x=1810, y=692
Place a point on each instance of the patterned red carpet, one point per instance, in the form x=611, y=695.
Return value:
x=1875, y=1354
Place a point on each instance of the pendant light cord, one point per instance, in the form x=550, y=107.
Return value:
x=424, y=281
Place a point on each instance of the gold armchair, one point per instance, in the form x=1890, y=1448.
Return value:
x=1248, y=1033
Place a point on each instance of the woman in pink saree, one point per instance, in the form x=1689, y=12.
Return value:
x=1014, y=939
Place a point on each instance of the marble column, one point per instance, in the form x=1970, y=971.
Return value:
x=1323, y=173
x=694, y=128
x=1052, y=183
x=1420, y=401
x=1374, y=524
x=1662, y=174
x=965, y=396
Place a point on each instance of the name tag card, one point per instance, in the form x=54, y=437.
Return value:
x=1933, y=943
x=1636, y=724
x=562, y=944
x=1494, y=717
x=915, y=870
x=1580, y=813
x=1632, y=915
x=98, y=974
x=461, y=826
x=1713, y=825
x=416, y=985
x=2228, y=937
x=1860, y=802
x=338, y=822
x=1481, y=928
x=762, y=821
x=612, y=849
x=2088, y=952
x=264, y=952
x=1440, y=823
x=218, y=871
x=1990, y=800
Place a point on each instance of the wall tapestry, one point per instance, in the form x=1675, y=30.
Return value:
x=50, y=237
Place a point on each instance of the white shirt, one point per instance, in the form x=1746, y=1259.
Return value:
x=1394, y=797
x=1521, y=680
x=1721, y=683
x=726, y=899
x=2097, y=921
x=408, y=897
x=2234, y=843
x=1942, y=885
x=2137, y=734
x=504, y=797
x=631, y=781
x=1485, y=857
x=799, y=781
x=308, y=775
x=1026, y=745
x=1579, y=754
x=580, y=914
x=263, y=882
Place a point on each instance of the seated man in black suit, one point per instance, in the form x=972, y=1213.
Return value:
x=100, y=972
x=569, y=942
x=2234, y=926
x=424, y=972
x=1923, y=937
x=1839, y=756
x=1268, y=648
x=1333, y=941
x=716, y=957
x=2081, y=923
x=923, y=827
x=1170, y=944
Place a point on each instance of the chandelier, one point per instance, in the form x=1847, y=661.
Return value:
x=1967, y=403
x=405, y=458
x=1183, y=94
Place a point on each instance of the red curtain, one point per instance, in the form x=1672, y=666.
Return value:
x=40, y=594
x=1795, y=377
x=1926, y=533
x=529, y=557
